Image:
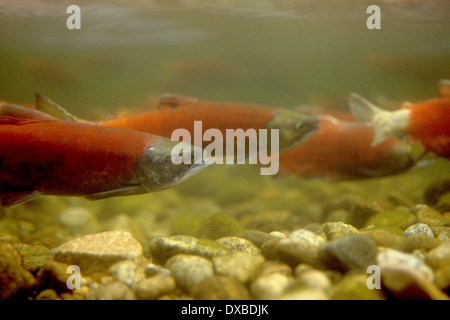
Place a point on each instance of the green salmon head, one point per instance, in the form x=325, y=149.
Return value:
x=294, y=128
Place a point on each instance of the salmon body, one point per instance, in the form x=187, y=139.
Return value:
x=341, y=150
x=179, y=112
x=42, y=155
x=429, y=122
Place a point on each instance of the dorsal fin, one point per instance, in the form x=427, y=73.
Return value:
x=174, y=100
x=444, y=88
x=47, y=106
x=17, y=115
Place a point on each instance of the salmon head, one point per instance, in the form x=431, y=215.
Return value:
x=294, y=128
x=167, y=163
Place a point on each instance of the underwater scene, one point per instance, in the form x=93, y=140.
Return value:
x=224, y=150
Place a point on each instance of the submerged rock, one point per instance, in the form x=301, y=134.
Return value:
x=163, y=248
x=98, y=252
x=15, y=281
x=354, y=252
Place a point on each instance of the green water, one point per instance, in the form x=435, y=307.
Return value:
x=279, y=53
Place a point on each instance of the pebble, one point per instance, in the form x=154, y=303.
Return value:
x=189, y=270
x=354, y=252
x=256, y=237
x=419, y=228
x=418, y=241
x=394, y=258
x=98, y=252
x=292, y=251
x=220, y=287
x=399, y=217
x=114, y=291
x=336, y=230
x=304, y=294
x=383, y=238
x=308, y=236
x=14, y=279
x=153, y=287
x=407, y=284
x=439, y=257
x=354, y=287
x=127, y=271
x=235, y=244
x=34, y=257
x=430, y=217
x=314, y=279
x=163, y=248
x=240, y=265
x=270, y=286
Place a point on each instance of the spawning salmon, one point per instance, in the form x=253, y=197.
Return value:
x=427, y=122
x=42, y=155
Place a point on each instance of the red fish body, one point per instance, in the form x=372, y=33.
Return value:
x=341, y=150
x=427, y=122
x=180, y=112
x=42, y=155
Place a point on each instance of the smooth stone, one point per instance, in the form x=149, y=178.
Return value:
x=419, y=228
x=114, y=291
x=439, y=257
x=336, y=230
x=399, y=217
x=354, y=287
x=163, y=248
x=314, y=279
x=99, y=251
x=304, y=294
x=220, y=287
x=256, y=237
x=270, y=286
x=240, y=265
x=308, y=236
x=430, y=217
x=295, y=251
x=383, y=238
x=127, y=272
x=189, y=270
x=418, y=241
x=394, y=258
x=235, y=244
x=153, y=287
x=354, y=252
x=407, y=284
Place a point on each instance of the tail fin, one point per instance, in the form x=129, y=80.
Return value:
x=363, y=110
x=366, y=112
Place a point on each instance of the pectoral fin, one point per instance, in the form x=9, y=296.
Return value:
x=125, y=191
x=9, y=199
